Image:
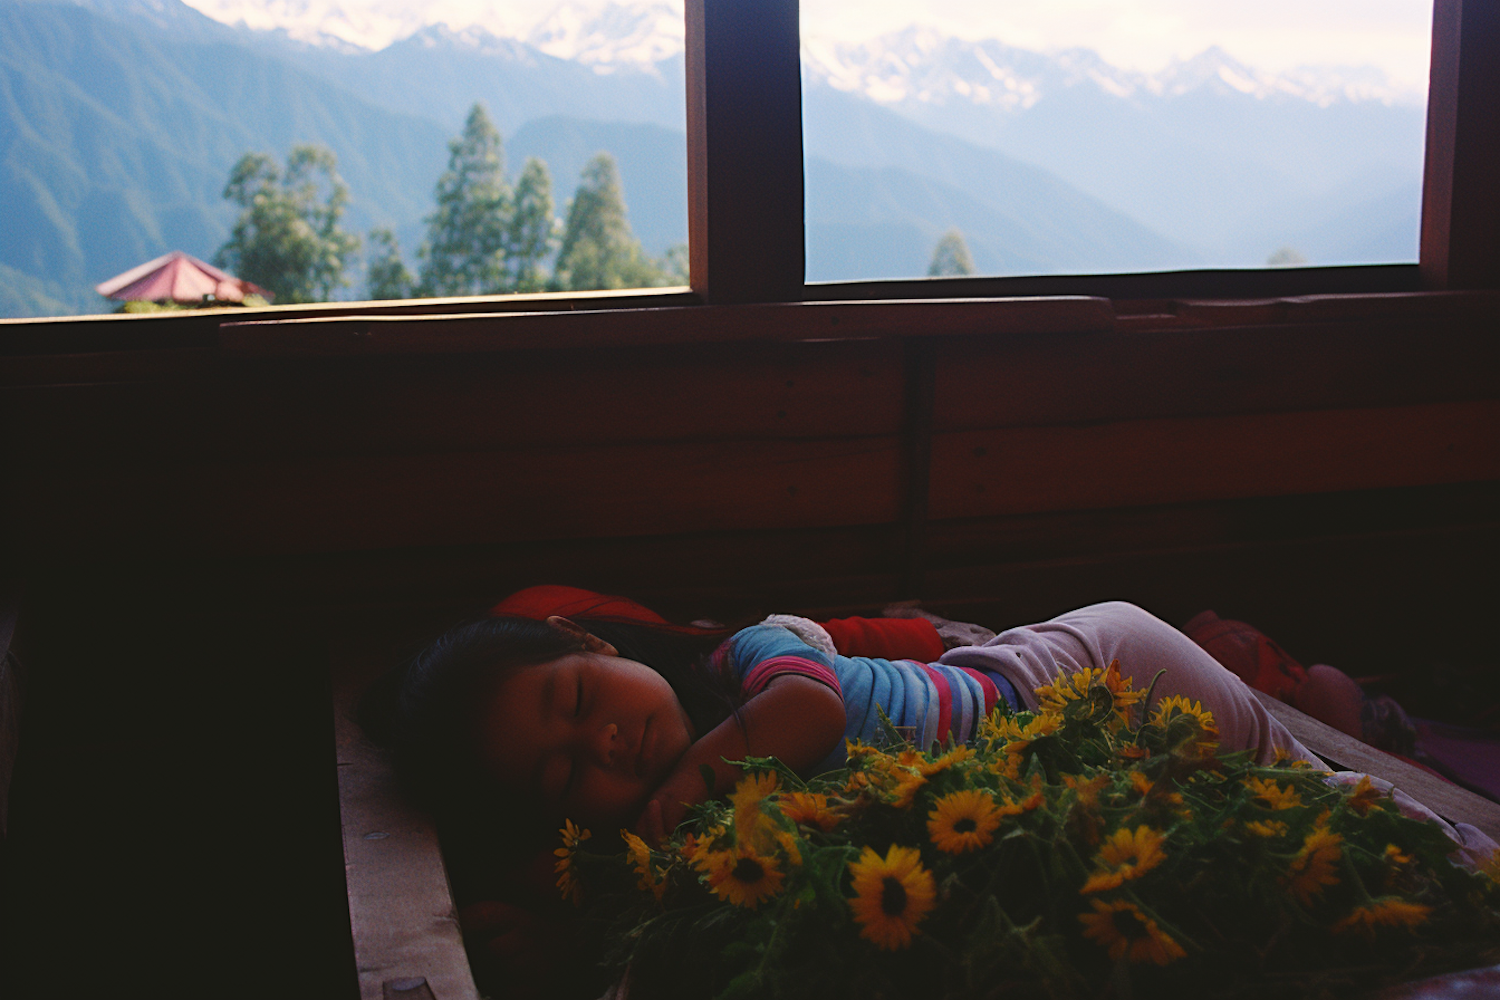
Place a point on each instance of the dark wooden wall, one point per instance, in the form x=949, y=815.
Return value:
x=191, y=506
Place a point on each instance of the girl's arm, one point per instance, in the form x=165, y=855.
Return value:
x=795, y=719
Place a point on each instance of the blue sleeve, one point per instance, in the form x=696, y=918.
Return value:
x=760, y=653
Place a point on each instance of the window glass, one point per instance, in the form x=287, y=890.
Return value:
x=1089, y=136
x=363, y=148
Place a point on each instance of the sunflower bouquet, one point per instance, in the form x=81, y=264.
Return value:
x=1084, y=849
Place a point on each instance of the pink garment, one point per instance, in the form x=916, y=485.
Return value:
x=1033, y=656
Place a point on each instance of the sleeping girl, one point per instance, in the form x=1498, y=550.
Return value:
x=612, y=722
x=611, y=717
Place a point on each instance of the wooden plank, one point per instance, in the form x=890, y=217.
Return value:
x=1455, y=804
x=1448, y=306
x=1460, y=203
x=1205, y=283
x=12, y=691
x=1138, y=462
x=528, y=399
x=744, y=125
x=396, y=500
x=1326, y=598
x=780, y=321
x=146, y=365
x=400, y=906
x=1240, y=521
x=1300, y=366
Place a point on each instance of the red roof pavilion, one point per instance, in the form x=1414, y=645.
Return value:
x=178, y=277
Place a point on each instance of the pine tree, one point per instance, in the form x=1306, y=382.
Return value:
x=387, y=276
x=465, y=250
x=288, y=239
x=598, y=248
x=951, y=256
x=533, y=228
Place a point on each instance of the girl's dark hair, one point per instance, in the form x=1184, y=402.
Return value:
x=428, y=711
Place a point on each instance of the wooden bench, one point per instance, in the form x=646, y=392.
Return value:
x=1319, y=466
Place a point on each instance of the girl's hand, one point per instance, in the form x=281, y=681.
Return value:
x=796, y=719
x=669, y=806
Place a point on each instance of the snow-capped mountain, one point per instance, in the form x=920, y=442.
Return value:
x=604, y=36
x=921, y=66
x=904, y=69
x=616, y=36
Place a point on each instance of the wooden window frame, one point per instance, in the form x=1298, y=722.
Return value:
x=746, y=199
x=746, y=203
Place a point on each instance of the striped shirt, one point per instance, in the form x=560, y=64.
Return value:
x=930, y=702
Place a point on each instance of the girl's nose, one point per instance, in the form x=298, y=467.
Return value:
x=605, y=746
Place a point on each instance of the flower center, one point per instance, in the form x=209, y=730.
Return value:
x=748, y=870
x=1129, y=925
x=965, y=825
x=892, y=897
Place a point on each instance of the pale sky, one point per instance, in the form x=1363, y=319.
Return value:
x=1273, y=35
x=1394, y=35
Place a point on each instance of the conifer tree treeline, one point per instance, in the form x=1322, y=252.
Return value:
x=288, y=238
x=483, y=238
x=486, y=238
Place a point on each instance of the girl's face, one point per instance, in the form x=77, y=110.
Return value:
x=590, y=735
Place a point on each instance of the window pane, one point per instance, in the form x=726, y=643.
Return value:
x=1090, y=136
x=123, y=122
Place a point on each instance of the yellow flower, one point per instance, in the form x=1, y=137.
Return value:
x=743, y=877
x=1174, y=705
x=963, y=821
x=1272, y=794
x=1119, y=686
x=1125, y=931
x=1267, y=828
x=863, y=753
x=748, y=794
x=1147, y=788
x=1490, y=866
x=640, y=857
x=891, y=895
x=1088, y=791
x=1124, y=856
x=1019, y=736
x=910, y=759
x=1008, y=765
x=1387, y=912
x=1054, y=697
x=696, y=850
x=906, y=789
x=1313, y=866
x=1030, y=802
x=567, y=879
x=751, y=824
x=1365, y=796
x=1394, y=855
x=809, y=809
x=957, y=755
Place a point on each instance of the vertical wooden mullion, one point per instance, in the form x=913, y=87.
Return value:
x=744, y=121
x=1460, y=197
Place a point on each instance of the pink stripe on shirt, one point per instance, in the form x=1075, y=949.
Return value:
x=764, y=671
